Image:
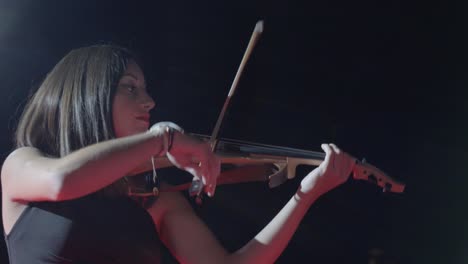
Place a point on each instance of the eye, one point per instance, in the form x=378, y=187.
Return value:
x=130, y=88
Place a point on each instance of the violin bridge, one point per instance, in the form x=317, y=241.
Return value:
x=278, y=177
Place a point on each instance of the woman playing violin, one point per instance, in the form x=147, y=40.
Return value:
x=81, y=135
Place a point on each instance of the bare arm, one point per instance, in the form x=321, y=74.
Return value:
x=268, y=245
x=183, y=232
x=190, y=240
x=30, y=176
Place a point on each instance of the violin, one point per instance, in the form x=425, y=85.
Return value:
x=252, y=162
x=243, y=162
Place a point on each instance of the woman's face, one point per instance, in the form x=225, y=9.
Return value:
x=131, y=105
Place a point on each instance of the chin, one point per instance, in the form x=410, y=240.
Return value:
x=130, y=132
x=139, y=130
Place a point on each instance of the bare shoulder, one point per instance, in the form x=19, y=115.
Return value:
x=29, y=175
x=22, y=154
x=11, y=209
x=18, y=157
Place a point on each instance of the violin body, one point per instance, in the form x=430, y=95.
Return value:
x=251, y=162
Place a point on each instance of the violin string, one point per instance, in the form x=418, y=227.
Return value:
x=245, y=146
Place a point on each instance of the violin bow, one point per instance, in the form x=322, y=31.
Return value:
x=259, y=162
x=284, y=159
x=197, y=186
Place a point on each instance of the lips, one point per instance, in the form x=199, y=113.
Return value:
x=145, y=118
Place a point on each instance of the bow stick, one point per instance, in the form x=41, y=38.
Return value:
x=258, y=162
x=197, y=186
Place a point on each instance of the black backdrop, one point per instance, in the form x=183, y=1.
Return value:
x=382, y=79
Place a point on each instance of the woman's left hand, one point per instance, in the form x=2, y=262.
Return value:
x=333, y=171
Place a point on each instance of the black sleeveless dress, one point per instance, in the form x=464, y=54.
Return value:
x=91, y=229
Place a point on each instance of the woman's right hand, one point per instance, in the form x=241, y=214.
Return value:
x=194, y=156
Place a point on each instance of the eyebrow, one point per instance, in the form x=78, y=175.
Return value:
x=131, y=75
x=134, y=77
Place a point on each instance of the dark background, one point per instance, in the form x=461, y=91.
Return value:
x=384, y=80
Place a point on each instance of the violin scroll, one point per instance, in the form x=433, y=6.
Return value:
x=366, y=171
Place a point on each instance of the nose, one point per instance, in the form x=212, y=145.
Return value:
x=147, y=102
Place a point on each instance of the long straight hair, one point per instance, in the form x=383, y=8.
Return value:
x=73, y=106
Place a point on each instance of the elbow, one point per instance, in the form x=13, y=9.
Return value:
x=56, y=190
x=65, y=186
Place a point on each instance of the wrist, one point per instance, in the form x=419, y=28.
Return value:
x=165, y=133
x=306, y=198
x=161, y=140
